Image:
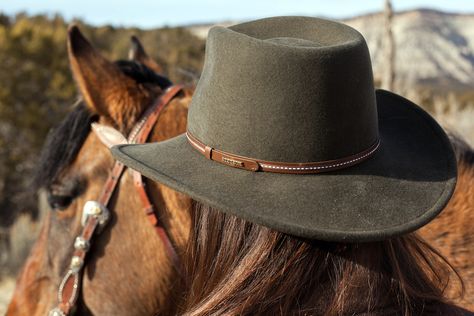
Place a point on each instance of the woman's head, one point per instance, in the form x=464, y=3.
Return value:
x=239, y=268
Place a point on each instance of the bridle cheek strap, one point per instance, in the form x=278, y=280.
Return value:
x=96, y=214
x=139, y=135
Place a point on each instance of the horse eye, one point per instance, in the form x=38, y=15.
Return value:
x=61, y=195
x=59, y=202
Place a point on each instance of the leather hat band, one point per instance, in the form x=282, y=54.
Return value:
x=254, y=164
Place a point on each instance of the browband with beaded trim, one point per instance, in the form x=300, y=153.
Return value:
x=254, y=164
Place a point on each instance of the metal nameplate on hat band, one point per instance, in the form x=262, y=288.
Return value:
x=253, y=164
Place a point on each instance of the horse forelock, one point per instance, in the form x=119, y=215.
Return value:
x=63, y=144
x=65, y=140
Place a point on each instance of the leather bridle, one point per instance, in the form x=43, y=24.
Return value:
x=96, y=214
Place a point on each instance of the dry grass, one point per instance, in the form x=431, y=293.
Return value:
x=22, y=235
x=14, y=248
x=6, y=290
x=454, y=117
x=17, y=240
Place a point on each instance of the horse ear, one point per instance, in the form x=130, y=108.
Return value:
x=105, y=88
x=138, y=53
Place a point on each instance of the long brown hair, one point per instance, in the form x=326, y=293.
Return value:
x=239, y=268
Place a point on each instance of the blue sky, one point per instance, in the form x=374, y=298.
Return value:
x=150, y=14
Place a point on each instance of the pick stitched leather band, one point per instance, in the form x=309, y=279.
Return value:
x=254, y=164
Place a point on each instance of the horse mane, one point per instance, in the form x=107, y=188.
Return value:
x=142, y=74
x=64, y=141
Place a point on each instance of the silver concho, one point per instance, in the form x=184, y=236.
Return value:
x=76, y=264
x=56, y=312
x=81, y=244
x=97, y=210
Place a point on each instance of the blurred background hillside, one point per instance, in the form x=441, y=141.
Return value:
x=426, y=55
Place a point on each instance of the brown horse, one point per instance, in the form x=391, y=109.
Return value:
x=128, y=271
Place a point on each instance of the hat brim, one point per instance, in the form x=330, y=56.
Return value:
x=404, y=185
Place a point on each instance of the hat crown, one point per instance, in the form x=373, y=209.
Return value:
x=290, y=89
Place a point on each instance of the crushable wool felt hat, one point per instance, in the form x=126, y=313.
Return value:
x=286, y=130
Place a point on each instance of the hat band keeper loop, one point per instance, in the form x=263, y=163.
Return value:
x=253, y=164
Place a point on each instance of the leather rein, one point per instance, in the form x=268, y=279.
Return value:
x=96, y=215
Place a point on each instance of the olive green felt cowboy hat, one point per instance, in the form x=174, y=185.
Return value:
x=286, y=130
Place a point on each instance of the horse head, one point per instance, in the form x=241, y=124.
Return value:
x=127, y=270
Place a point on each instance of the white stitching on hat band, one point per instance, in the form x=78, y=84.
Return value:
x=279, y=167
